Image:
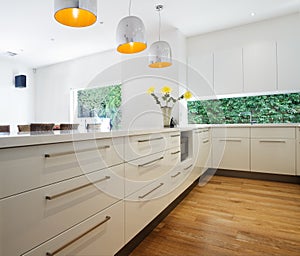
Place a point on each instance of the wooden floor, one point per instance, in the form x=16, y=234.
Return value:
x=230, y=216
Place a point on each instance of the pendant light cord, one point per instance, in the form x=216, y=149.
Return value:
x=159, y=25
x=129, y=8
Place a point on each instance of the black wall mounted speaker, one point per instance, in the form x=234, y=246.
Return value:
x=20, y=81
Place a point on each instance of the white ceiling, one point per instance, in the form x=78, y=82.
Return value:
x=27, y=27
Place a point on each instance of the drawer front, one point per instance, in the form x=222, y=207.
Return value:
x=202, y=152
x=144, y=145
x=42, y=165
x=173, y=139
x=102, y=234
x=144, y=171
x=273, y=156
x=140, y=209
x=31, y=218
x=273, y=133
x=231, y=132
x=231, y=153
x=202, y=132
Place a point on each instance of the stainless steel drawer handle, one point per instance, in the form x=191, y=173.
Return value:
x=176, y=152
x=272, y=141
x=107, y=218
x=152, y=190
x=175, y=135
x=198, y=132
x=186, y=168
x=205, y=141
x=160, y=138
x=231, y=140
x=175, y=175
x=74, y=152
x=75, y=189
x=150, y=162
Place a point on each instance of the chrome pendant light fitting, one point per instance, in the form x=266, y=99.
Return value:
x=75, y=13
x=160, y=54
x=131, y=34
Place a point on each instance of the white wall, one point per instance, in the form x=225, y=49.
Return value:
x=17, y=104
x=138, y=111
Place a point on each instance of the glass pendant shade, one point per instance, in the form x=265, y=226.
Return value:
x=75, y=13
x=160, y=55
x=131, y=35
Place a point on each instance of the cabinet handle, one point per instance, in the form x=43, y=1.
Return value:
x=175, y=135
x=231, y=140
x=150, y=162
x=75, y=189
x=198, y=132
x=176, y=152
x=160, y=138
x=73, y=152
x=152, y=190
x=186, y=168
x=205, y=141
x=272, y=141
x=174, y=176
x=107, y=218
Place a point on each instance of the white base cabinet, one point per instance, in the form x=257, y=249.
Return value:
x=101, y=235
x=273, y=150
x=298, y=152
x=231, y=148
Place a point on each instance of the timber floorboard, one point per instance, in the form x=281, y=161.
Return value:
x=230, y=216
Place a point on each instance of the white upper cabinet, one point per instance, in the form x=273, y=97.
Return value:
x=260, y=67
x=288, y=54
x=200, y=74
x=228, y=71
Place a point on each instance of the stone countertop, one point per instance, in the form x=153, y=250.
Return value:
x=8, y=140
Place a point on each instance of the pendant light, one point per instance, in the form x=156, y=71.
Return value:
x=160, y=55
x=75, y=13
x=131, y=34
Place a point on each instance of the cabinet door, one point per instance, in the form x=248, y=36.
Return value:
x=231, y=153
x=260, y=67
x=228, y=71
x=288, y=52
x=273, y=156
x=202, y=149
x=102, y=234
x=200, y=75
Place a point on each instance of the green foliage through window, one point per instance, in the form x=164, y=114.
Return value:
x=278, y=108
x=101, y=102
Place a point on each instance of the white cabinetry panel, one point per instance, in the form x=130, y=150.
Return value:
x=200, y=74
x=298, y=152
x=228, y=71
x=288, y=52
x=260, y=67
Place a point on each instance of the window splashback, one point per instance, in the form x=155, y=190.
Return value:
x=278, y=108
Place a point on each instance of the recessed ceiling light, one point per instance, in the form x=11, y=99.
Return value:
x=253, y=14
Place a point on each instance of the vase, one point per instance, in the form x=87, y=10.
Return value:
x=166, y=112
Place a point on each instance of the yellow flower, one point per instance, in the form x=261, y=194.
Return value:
x=187, y=95
x=166, y=90
x=151, y=90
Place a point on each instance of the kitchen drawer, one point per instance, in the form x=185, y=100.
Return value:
x=145, y=170
x=144, y=145
x=143, y=206
x=230, y=132
x=42, y=165
x=273, y=133
x=173, y=139
x=101, y=235
x=231, y=153
x=30, y=218
x=203, y=133
x=273, y=156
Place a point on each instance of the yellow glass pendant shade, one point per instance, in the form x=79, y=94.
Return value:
x=132, y=47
